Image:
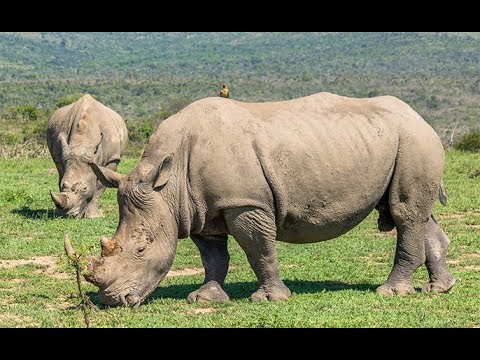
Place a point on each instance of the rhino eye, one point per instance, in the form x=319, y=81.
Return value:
x=141, y=249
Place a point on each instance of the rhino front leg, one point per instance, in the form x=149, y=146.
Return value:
x=436, y=247
x=92, y=210
x=255, y=231
x=215, y=259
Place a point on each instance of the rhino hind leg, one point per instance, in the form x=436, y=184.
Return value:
x=409, y=255
x=255, y=231
x=436, y=247
x=413, y=192
x=215, y=259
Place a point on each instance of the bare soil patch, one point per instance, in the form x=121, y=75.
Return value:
x=472, y=267
x=466, y=257
x=375, y=259
x=48, y=265
x=391, y=233
x=61, y=306
x=203, y=310
x=6, y=299
x=12, y=320
x=458, y=215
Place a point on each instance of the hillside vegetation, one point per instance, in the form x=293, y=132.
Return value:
x=148, y=76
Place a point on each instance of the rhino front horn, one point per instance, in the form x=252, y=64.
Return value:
x=60, y=201
x=68, y=247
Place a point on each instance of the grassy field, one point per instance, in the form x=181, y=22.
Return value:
x=332, y=283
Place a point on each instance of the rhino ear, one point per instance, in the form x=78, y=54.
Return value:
x=63, y=140
x=107, y=177
x=163, y=174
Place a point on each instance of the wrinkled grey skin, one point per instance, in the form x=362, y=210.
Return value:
x=298, y=171
x=77, y=134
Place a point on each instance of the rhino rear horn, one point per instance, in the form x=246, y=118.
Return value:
x=107, y=177
x=109, y=247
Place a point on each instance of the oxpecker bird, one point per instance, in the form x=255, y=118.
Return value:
x=224, y=92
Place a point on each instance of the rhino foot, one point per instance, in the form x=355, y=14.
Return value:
x=440, y=286
x=211, y=291
x=399, y=288
x=279, y=292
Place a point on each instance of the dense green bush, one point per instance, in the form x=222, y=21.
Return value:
x=469, y=142
x=140, y=131
x=23, y=112
x=67, y=100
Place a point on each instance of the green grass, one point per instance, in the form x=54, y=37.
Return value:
x=332, y=282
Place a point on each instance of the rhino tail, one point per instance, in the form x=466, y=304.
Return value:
x=442, y=194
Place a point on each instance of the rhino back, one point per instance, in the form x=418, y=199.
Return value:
x=86, y=122
x=319, y=163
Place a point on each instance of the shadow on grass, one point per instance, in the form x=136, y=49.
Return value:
x=38, y=213
x=243, y=290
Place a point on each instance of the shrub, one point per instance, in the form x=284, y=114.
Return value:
x=469, y=142
x=67, y=100
x=23, y=112
x=140, y=131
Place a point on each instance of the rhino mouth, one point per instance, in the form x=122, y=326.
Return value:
x=129, y=299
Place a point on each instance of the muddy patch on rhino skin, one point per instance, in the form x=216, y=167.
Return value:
x=48, y=265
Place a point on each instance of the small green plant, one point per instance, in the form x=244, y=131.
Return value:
x=469, y=142
x=76, y=261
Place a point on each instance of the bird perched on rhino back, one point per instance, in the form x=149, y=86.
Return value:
x=224, y=92
x=77, y=134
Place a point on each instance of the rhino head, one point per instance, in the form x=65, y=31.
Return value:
x=79, y=183
x=143, y=247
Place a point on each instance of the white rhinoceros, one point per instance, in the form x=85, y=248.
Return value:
x=299, y=171
x=77, y=134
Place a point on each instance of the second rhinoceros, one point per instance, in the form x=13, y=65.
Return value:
x=77, y=134
x=298, y=171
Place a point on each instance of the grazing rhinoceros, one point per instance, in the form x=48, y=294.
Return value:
x=298, y=171
x=77, y=134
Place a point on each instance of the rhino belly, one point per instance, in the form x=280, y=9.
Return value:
x=318, y=223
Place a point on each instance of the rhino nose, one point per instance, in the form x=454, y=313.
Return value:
x=133, y=299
